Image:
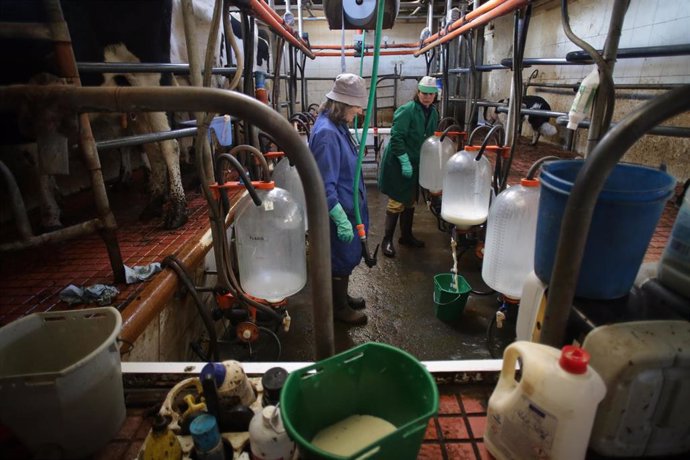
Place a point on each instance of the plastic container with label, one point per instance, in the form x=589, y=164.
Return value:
x=510, y=238
x=433, y=156
x=549, y=412
x=271, y=250
x=466, y=189
x=267, y=436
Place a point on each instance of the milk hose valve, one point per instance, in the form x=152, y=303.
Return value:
x=369, y=260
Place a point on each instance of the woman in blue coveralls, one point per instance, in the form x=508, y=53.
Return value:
x=336, y=156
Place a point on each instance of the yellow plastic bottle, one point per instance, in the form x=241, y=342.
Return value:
x=549, y=412
x=161, y=443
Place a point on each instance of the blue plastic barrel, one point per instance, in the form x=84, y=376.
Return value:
x=625, y=216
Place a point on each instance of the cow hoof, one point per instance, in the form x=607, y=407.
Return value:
x=175, y=217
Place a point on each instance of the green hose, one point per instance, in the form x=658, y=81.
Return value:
x=367, y=117
x=361, y=69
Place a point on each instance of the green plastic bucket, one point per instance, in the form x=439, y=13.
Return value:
x=370, y=379
x=450, y=300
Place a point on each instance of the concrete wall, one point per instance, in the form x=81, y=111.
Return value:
x=647, y=23
x=330, y=67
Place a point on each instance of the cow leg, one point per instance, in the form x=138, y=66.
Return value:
x=176, y=214
x=157, y=183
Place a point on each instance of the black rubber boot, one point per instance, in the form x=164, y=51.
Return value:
x=406, y=238
x=356, y=303
x=387, y=243
x=341, y=309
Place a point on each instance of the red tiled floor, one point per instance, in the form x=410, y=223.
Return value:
x=430, y=452
x=431, y=433
x=472, y=405
x=453, y=428
x=448, y=404
x=460, y=451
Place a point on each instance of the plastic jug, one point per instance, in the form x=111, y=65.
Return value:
x=674, y=267
x=286, y=177
x=161, y=442
x=208, y=445
x=271, y=251
x=267, y=436
x=231, y=381
x=510, y=238
x=548, y=413
x=434, y=154
x=466, y=189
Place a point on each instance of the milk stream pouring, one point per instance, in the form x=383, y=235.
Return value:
x=674, y=267
x=548, y=413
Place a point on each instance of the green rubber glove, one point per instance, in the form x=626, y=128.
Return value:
x=406, y=165
x=343, y=226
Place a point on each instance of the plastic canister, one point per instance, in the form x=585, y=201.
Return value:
x=267, y=436
x=674, y=267
x=510, y=238
x=271, y=250
x=286, y=177
x=466, y=188
x=625, y=216
x=549, y=412
x=208, y=445
x=161, y=442
x=231, y=381
x=434, y=154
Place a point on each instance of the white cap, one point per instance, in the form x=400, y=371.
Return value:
x=428, y=85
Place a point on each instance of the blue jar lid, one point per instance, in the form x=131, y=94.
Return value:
x=217, y=370
x=205, y=434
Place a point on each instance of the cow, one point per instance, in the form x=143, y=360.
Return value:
x=113, y=31
x=540, y=124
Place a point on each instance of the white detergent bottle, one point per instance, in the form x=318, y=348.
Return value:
x=584, y=99
x=549, y=412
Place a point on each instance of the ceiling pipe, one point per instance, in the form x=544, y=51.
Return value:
x=349, y=47
x=368, y=53
x=485, y=8
x=277, y=24
x=504, y=8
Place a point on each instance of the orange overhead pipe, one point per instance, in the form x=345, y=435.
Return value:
x=486, y=7
x=270, y=17
x=349, y=47
x=501, y=10
x=368, y=53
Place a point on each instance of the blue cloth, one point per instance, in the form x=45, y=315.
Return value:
x=336, y=158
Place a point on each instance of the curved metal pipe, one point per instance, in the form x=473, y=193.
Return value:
x=243, y=175
x=502, y=9
x=219, y=101
x=577, y=216
x=257, y=155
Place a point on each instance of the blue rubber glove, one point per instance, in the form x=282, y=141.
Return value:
x=406, y=165
x=343, y=226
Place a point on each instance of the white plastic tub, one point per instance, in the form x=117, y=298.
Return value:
x=61, y=381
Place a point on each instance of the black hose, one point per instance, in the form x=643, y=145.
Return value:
x=537, y=164
x=243, y=175
x=173, y=263
x=447, y=130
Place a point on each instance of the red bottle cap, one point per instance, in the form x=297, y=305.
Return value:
x=574, y=359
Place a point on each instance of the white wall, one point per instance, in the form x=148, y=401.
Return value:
x=647, y=23
x=330, y=67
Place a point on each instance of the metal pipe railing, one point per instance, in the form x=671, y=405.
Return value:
x=235, y=104
x=501, y=9
x=577, y=216
x=129, y=67
x=277, y=24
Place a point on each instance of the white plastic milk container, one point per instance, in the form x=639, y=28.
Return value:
x=549, y=412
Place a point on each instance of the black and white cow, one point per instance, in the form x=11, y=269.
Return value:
x=540, y=124
x=114, y=31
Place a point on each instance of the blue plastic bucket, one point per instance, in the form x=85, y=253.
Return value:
x=625, y=216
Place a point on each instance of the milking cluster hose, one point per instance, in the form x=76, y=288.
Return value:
x=370, y=104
